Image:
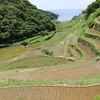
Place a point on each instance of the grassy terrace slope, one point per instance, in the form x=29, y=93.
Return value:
x=95, y=42
x=14, y=51
x=93, y=32
x=10, y=52
x=33, y=73
x=87, y=52
x=54, y=75
x=34, y=62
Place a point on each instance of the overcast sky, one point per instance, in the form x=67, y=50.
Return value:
x=61, y=4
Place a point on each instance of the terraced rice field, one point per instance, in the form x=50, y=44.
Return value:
x=88, y=53
x=31, y=64
x=49, y=93
x=58, y=50
x=93, y=32
x=13, y=51
x=95, y=42
x=79, y=69
x=76, y=53
x=10, y=52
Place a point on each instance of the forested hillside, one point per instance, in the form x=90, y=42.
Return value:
x=19, y=19
x=92, y=12
x=51, y=15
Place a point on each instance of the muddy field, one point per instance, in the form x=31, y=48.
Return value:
x=71, y=71
x=87, y=52
x=76, y=53
x=50, y=93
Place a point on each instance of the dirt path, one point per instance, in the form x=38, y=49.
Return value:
x=66, y=54
x=75, y=38
x=49, y=93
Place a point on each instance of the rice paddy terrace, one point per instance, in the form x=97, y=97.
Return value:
x=65, y=67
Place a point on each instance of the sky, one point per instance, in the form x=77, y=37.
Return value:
x=61, y=4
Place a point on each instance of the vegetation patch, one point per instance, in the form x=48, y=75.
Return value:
x=34, y=62
x=92, y=34
x=40, y=82
x=47, y=52
x=20, y=20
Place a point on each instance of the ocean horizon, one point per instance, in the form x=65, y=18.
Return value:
x=66, y=14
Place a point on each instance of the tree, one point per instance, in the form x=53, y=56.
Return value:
x=19, y=19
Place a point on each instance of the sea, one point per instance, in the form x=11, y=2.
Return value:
x=66, y=14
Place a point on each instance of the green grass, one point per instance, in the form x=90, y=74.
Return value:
x=95, y=42
x=93, y=32
x=63, y=30
x=13, y=51
x=36, y=39
x=34, y=62
x=97, y=97
x=42, y=82
x=59, y=37
x=10, y=52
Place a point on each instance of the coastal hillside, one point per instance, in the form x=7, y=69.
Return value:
x=51, y=15
x=90, y=38
x=19, y=19
x=63, y=65
x=92, y=12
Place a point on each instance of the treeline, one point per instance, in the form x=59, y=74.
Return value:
x=92, y=12
x=19, y=19
x=92, y=8
x=51, y=15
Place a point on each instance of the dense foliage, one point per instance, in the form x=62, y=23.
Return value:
x=92, y=17
x=92, y=12
x=51, y=15
x=92, y=8
x=19, y=20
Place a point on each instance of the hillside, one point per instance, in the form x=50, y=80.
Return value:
x=90, y=38
x=19, y=20
x=66, y=66
x=51, y=15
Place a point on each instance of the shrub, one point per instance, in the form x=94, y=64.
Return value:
x=47, y=52
x=97, y=97
x=24, y=43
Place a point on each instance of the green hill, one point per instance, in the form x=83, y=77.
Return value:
x=90, y=38
x=51, y=15
x=92, y=12
x=19, y=19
